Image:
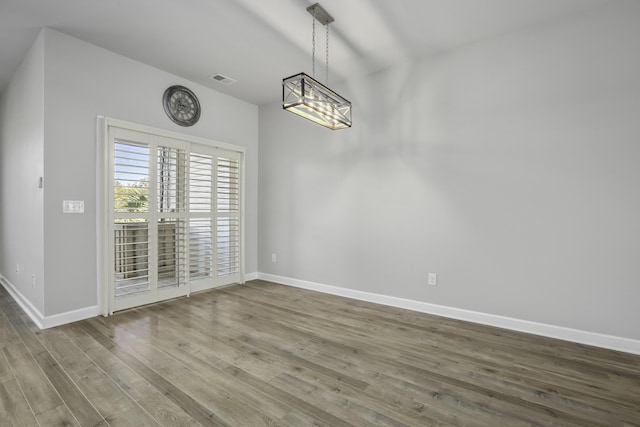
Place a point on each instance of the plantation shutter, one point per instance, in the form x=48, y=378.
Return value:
x=201, y=232
x=172, y=227
x=228, y=217
x=174, y=218
x=131, y=217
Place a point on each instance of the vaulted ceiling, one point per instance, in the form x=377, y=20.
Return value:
x=258, y=42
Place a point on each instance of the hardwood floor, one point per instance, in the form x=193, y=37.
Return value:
x=263, y=354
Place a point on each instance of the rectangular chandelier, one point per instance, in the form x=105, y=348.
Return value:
x=308, y=98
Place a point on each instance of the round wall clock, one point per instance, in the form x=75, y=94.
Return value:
x=181, y=105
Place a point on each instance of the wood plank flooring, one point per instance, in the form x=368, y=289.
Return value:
x=263, y=354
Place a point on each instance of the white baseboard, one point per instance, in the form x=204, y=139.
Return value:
x=70, y=316
x=574, y=335
x=250, y=276
x=23, y=302
x=44, y=322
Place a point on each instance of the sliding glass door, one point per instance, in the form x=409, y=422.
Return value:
x=174, y=217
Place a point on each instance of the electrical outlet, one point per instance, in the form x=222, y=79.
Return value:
x=274, y=258
x=433, y=279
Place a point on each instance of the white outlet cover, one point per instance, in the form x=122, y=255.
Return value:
x=433, y=279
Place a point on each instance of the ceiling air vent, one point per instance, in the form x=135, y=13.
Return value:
x=223, y=79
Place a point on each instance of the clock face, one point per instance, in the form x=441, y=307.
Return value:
x=181, y=105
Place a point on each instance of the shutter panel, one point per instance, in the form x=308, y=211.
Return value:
x=131, y=258
x=228, y=216
x=131, y=225
x=228, y=185
x=171, y=188
x=172, y=254
x=228, y=251
x=200, y=251
x=171, y=232
x=131, y=177
x=200, y=183
x=200, y=208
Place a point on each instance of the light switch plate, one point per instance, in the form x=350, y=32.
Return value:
x=73, y=206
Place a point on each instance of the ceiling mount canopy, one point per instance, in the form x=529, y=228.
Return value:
x=307, y=97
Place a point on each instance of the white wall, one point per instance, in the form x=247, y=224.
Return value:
x=21, y=165
x=509, y=167
x=82, y=81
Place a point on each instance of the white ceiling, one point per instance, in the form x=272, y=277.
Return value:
x=258, y=42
